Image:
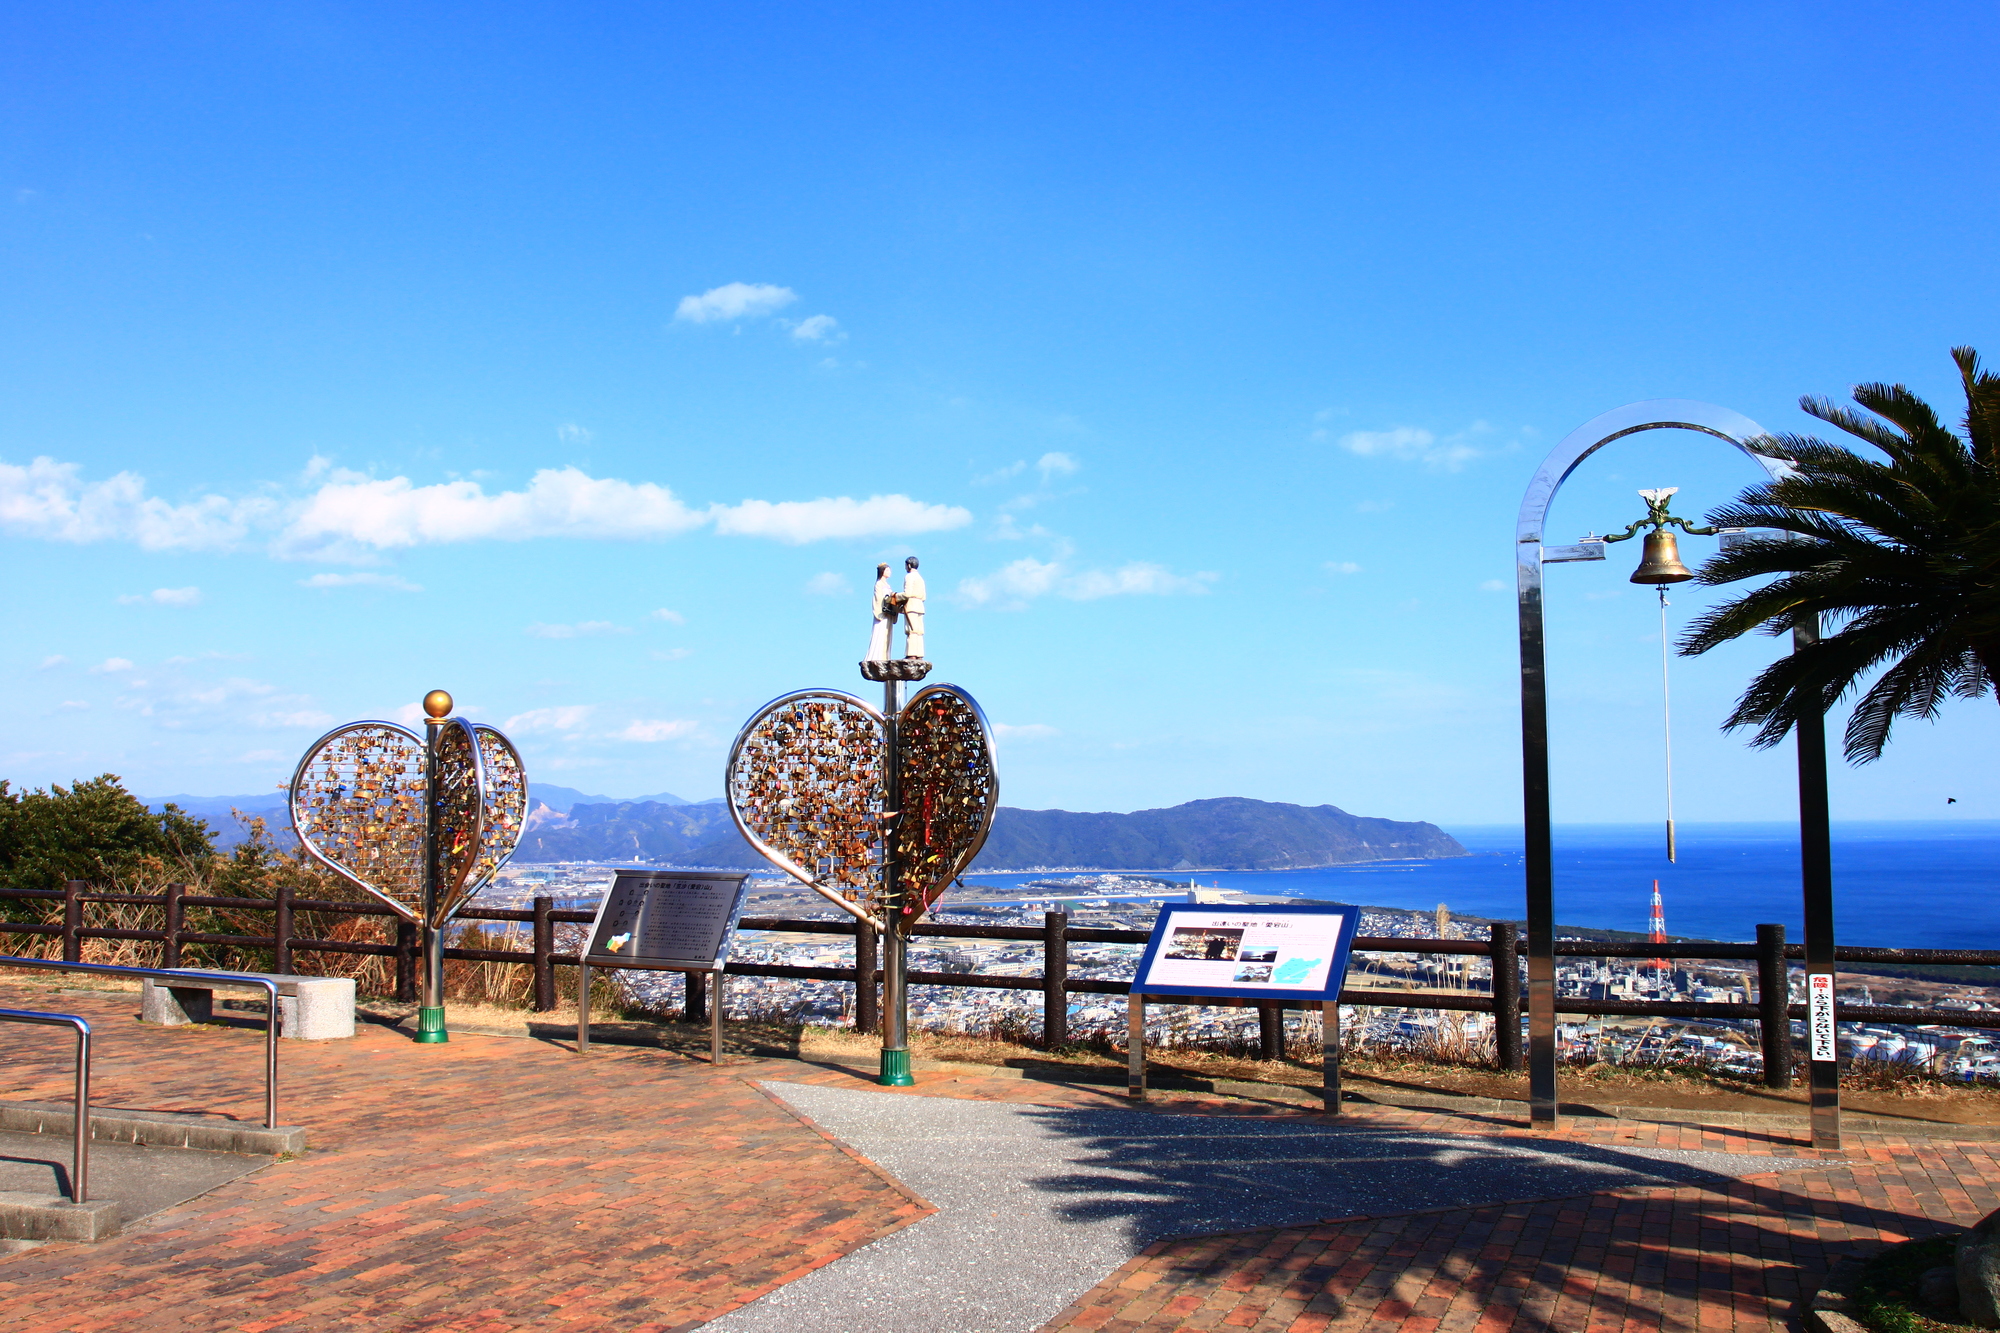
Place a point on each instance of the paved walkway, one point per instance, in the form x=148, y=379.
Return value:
x=497, y=1183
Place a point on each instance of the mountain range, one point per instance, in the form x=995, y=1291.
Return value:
x=216, y=810
x=1225, y=833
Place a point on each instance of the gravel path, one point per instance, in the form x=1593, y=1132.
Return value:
x=1037, y=1203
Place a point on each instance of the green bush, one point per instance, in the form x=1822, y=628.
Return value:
x=92, y=830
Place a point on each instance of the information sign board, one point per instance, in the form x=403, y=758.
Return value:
x=1252, y=951
x=676, y=920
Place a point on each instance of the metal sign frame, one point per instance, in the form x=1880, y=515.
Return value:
x=1185, y=916
x=714, y=966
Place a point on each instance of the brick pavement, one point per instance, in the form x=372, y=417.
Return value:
x=497, y=1183
x=484, y=1184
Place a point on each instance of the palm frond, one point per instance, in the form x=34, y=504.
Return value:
x=1898, y=557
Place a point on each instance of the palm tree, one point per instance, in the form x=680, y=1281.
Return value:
x=1902, y=556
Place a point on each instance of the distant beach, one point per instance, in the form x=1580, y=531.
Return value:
x=1932, y=885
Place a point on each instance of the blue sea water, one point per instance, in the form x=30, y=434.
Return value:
x=1909, y=885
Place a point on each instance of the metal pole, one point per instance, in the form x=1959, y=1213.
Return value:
x=1816, y=876
x=895, y=946
x=1135, y=1047
x=1329, y=1054
x=1539, y=844
x=430, y=1012
x=582, y=1008
x=715, y=1024
x=79, y=1169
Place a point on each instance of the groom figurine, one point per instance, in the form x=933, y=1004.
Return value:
x=913, y=608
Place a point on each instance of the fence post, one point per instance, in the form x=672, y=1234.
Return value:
x=1055, y=978
x=406, y=961
x=281, y=932
x=1270, y=1030
x=696, y=1008
x=1774, y=1015
x=170, y=947
x=867, y=1006
x=73, y=920
x=545, y=948
x=1505, y=937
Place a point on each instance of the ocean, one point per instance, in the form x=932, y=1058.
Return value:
x=1908, y=885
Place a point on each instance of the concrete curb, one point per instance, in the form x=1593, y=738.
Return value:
x=36, y=1217
x=160, y=1129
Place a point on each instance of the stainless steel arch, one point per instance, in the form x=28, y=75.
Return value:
x=1569, y=453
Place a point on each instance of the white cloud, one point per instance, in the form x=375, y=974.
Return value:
x=829, y=584
x=362, y=580
x=1027, y=731
x=48, y=500
x=54, y=660
x=163, y=597
x=1055, y=465
x=818, y=329
x=581, y=630
x=671, y=654
x=671, y=617
x=1493, y=585
x=571, y=433
x=357, y=511
x=1341, y=567
x=72, y=705
x=1374, y=506
x=1015, y=584
x=568, y=717
x=353, y=517
x=734, y=300
x=1013, y=469
x=1413, y=444
x=111, y=664
x=799, y=521
x=655, y=729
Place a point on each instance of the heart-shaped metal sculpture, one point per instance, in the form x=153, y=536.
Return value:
x=805, y=784
x=364, y=804
x=808, y=787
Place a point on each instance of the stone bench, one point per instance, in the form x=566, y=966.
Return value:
x=309, y=1008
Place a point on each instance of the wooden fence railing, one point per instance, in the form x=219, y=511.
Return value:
x=1501, y=999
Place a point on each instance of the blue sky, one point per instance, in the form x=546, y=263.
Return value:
x=584, y=360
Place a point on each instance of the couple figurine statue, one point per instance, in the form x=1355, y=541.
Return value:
x=888, y=604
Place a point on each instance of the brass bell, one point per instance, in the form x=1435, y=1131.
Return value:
x=1661, y=561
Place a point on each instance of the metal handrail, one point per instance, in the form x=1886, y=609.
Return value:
x=239, y=980
x=79, y=1152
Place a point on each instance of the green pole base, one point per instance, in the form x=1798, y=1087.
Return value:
x=896, y=1068
x=430, y=1026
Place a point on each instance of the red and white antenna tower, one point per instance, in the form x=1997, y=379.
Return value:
x=1657, y=927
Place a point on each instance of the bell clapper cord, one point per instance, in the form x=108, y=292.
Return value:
x=1667, y=722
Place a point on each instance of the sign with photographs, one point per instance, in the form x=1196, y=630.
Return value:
x=1256, y=952
x=677, y=920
